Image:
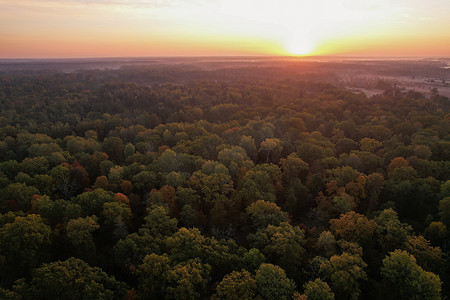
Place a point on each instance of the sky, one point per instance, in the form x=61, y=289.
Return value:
x=121, y=28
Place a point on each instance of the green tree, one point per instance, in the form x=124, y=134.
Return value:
x=23, y=245
x=152, y=276
x=185, y=244
x=344, y=273
x=326, y=244
x=310, y=152
x=248, y=143
x=272, y=283
x=117, y=216
x=282, y=245
x=44, y=183
x=158, y=222
x=113, y=146
x=260, y=183
x=92, y=202
x=10, y=168
x=17, y=196
x=129, y=150
x=253, y=259
x=428, y=257
x=235, y=159
x=374, y=185
x=298, y=199
x=236, y=286
x=345, y=145
x=64, y=185
x=270, y=147
x=34, y=165
x=391, y=233
x=344, y=203
x=318, y=290
x=399, y=170
x=437, y=233
x=211, y=186
x=189, y=217
x=408, y=280
x=59, y=211
x=79, y=235
x=188, y=280
x=73, y=279
x=444, y=210
x=145, y=180
x=293, y=167
x=168, y=162
x=130, y=251
x=263, y=213
x=370, y=145
x=205, y=146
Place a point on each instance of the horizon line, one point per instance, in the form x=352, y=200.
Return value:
x=229, y=56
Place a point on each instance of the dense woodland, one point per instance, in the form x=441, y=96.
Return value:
x=121, y=184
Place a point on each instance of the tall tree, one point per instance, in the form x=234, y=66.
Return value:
x=272, y=283
x=236, y=286
x=344, y=273
x=73, y=279
x=407, y=279
x=24, y=244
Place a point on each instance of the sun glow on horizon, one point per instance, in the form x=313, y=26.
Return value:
x=83, y=28
x=300, y=46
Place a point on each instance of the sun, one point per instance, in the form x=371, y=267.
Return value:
x=299, y=46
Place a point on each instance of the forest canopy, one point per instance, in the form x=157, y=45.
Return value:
x=130, y=184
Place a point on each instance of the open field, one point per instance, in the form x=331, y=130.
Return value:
x=368, y=75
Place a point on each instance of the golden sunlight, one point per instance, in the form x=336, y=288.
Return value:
x=299, y=46
x=221, y=27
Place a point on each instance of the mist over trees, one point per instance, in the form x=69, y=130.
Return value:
x=126, y=184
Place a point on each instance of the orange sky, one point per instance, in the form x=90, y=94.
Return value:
x=108, y=28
